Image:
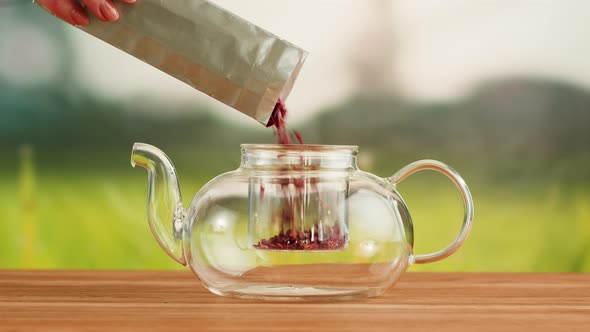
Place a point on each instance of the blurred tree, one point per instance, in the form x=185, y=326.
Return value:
x=35, y=48
x=514, y=128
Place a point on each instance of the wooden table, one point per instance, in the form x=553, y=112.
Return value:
x=175, y=301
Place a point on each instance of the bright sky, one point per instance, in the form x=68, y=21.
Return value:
x=443, y=48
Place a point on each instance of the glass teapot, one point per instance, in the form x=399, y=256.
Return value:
x=293, y=222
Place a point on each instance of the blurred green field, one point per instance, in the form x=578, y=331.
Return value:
x=521, y=142
x=92, y=219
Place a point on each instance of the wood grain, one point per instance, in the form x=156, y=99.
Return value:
x=175, y=301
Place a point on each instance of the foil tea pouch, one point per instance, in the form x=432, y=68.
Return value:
x=209, y=48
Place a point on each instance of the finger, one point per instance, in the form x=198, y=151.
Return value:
x=68, y=10
x=104, y=10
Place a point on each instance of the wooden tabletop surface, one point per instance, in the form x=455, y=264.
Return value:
x=175, y=301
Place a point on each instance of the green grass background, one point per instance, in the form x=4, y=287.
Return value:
x=85, y=216
x=520, y=142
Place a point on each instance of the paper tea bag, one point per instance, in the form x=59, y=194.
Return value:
x=209, y=48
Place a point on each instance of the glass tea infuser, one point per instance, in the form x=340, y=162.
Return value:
x=293, y=222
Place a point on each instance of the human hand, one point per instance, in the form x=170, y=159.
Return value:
x=72, y=11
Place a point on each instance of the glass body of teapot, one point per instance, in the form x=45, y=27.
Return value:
x=293, y=222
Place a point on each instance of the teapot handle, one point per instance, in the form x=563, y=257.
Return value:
x=434, y=165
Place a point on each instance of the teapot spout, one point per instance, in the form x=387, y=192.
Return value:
x=164, y=202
